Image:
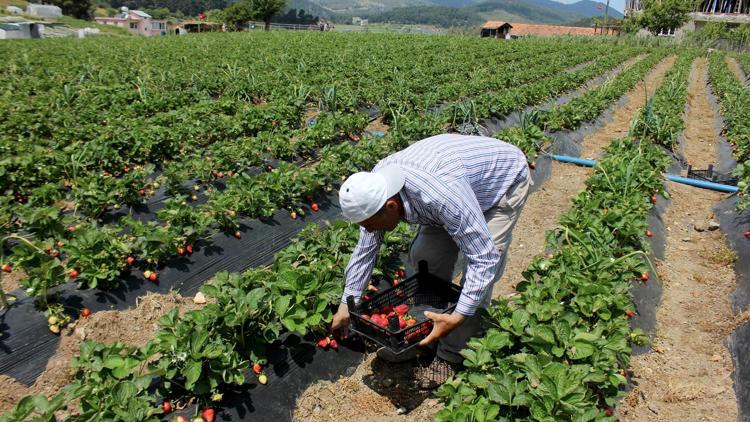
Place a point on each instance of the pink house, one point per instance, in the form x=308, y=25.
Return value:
x=137, y=22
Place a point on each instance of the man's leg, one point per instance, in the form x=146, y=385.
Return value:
x=500, y=219
x=434, y=245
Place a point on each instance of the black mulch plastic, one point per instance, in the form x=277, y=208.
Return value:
x=294, y=363
x=26, y=344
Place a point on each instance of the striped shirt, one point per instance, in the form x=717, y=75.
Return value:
x=451, y=180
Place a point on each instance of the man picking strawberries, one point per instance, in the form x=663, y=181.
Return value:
x=466, y=193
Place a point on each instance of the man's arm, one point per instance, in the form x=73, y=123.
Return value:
x=359, y=269
x=357, y=275
x=465, y=223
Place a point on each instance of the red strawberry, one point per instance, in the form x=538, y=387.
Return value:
x=238, y=234
x=608, y=411
x=257, y=368
x=644, y=276
x=142, y=192
x=324, y=342
x=85, y=312
x=181, y=419
x=230, y=173
x=181, y=251
x=71, y=228
x=130, y=260
x=653, y=198
x=629, y=313
x=333, y=344
x=314, y=207
x=401, y=323
x=166, y=406
x=208, y=414
x=293, y=215
x=395, y=282
x=73, y=273
x=401, y=309
x=153, y=277
x=6, y=268
x=747, y=234
x=401, y=273
x=649, y=233
x=189, y=249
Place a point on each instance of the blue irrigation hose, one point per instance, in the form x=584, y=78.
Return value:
x=376, y=134
x=675, y=178
x=574, y=160
x=703, y=184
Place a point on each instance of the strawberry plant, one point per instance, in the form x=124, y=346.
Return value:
x=109, y=384
x=98, y=254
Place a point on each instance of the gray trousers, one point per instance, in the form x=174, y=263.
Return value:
x=434, y=245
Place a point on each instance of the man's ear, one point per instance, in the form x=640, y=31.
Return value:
x=392, y=204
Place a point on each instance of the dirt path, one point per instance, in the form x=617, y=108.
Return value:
x=544, y=207
x=361, y=396
x=688, y=375
x=133, y=327
x=736, y=69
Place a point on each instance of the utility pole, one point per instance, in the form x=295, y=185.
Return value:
x=606, y=12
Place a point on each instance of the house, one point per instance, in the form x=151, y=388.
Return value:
x=197, y=27
x=137, y=22
x=730, y=12
x=43, y=11
x=502, y=29
x=496, y=29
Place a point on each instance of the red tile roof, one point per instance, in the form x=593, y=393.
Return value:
x=522, y=29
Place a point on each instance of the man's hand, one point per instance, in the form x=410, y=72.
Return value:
x=444, y=324
x=340, y=321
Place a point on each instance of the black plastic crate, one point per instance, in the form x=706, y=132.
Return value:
x=421, y=292
x=710, y=175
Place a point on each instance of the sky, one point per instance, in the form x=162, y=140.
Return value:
x=615, y=4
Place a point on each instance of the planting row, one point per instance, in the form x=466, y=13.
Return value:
x=202, y=352
x=662, y=120
x=560, y=350
x=734, y=99
x=97, y=255
x=529, y=136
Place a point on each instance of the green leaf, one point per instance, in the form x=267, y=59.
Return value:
x=192, y=373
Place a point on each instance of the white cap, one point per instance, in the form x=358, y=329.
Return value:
x=364, y=193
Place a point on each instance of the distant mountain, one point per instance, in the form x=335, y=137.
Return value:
x=441, y=12
x=585, y=8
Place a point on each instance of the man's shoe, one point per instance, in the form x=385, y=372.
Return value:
x=436, y=373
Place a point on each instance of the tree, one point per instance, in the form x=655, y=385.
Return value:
x=237, y=14
x=661, y=15
x=80, y=9
x=266, y=9
x=158, y=13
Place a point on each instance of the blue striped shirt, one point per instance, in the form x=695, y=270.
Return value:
x=451, y=180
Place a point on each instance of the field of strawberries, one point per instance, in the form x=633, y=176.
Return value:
x=126, y=159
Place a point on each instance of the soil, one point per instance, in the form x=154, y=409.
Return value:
x=12, y=281
x=688, y=373
x=378, y=125
x=133, y=327
x=736, y=69
x=543, y=208
x=354, y=398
